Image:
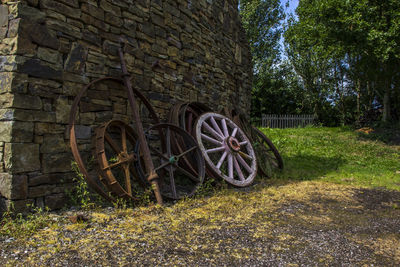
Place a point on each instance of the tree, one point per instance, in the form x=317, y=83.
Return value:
x=359, y=37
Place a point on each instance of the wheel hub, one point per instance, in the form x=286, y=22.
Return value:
x=233, y=144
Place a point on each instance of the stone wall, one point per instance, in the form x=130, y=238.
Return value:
x=178, y=50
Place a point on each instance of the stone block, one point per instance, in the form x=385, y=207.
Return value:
x=60, y=162
x=48, y=128
x=62, y=110
x=19, y=157
x=63, y=9
x=93, y=10
x=13, y=186
x=56, y=201
x=19, y=206
x=16, y=131
x=40, y=191
x=36, y=68
x=76, y=58
x=49, y=55
x=52, y=178
x=3, y=15
x=53, y=144
x=27, y=102
x=31, y=13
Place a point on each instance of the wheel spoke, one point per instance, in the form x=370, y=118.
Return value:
x=113, y=145
x=187, y=151
x=225, y=128
x=238, y=170
x=172, y=181
x=243, y=163
x=243, y=143
x=123, y=139
x=235, y=130
x=212, y=140
x=127, y=178
x=215, y=125
x=230, y=166
x=214, y=150
x=221, y=160
x=158, y=153
x=245, y=155
x=168, y=142
x=188, y=174
x=212, y=131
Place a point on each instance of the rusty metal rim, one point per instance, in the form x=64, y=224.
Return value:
x=168, y=152
x=127, y=133
x=73, y=143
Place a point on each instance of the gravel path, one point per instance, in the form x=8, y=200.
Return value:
x=292, y=224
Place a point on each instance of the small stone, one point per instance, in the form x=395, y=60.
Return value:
x=78, y=218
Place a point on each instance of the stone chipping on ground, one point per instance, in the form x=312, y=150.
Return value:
x=299, y=223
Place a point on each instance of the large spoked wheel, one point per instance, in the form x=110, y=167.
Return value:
x=226, y=149
x=147, y=113
x=177, y=180
x=268, y=156
x=270, y=151
x=115, y=143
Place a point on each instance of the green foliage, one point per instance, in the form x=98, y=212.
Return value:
x=261, y=20
x=348, y=50
x=81, y=196
x=19, y=225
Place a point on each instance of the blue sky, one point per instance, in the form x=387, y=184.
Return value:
x=288, y=10
x=292, y=5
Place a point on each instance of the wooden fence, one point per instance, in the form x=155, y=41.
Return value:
x=284, y=121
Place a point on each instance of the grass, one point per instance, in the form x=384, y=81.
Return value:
x=339, y=155
x=326, y=204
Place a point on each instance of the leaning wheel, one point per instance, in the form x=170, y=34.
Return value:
x=270, y=151
x=115, y=143
x=227, y=150
x=171, y=163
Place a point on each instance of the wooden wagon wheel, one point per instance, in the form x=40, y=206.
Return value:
x=170, y=163
x=226, y=149
x=268, y=156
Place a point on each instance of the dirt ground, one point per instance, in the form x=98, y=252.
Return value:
x=276, y=224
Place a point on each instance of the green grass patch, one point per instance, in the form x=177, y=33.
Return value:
x=339, y=155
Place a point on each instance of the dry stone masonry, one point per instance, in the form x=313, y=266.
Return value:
x=177, y=50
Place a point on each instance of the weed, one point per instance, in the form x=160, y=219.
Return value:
x=81, y=195
x=19, y=225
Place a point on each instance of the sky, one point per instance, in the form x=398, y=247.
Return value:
x=288, y=10
x=292, y=5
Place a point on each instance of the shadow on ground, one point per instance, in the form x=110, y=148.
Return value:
x=389, y=135
x=309, y=167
